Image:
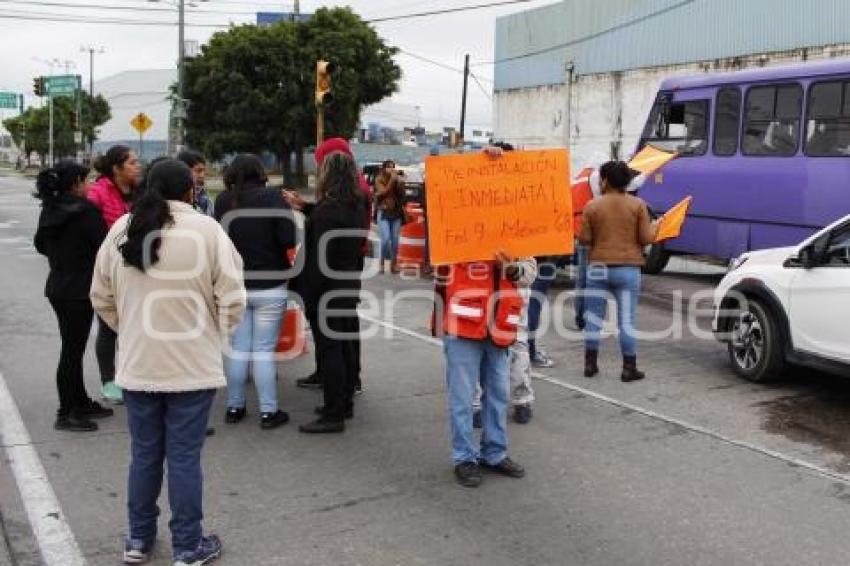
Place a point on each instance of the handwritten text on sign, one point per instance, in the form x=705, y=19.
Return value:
x=478, y=205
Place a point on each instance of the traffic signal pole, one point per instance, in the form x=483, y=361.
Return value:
x=320, y=124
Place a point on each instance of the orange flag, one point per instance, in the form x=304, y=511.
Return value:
x=649, y=160
x=670, y=225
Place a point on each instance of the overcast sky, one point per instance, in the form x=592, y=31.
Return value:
x=26, y=45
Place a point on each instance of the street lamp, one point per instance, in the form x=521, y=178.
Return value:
x=52, y=64
x=180, y=110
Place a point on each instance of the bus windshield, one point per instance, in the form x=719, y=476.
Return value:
x=681, y=127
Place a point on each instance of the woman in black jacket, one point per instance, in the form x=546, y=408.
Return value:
x=330, y=285
x=261, y=226
x=70, y=231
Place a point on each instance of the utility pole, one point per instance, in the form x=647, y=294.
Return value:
x=296, y=11
x=181, y=78
x=463, y=102
x=91, y=51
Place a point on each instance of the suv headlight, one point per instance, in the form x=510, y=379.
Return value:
x=738, y=262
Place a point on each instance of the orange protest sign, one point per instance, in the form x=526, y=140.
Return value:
x=478, y=205
x=670, y=225
x=649, y=160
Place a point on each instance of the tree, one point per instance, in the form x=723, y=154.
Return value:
x=31, y=130
x=252, y=88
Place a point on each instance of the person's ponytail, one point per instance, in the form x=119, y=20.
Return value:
x=167, y=180
x=60, y=179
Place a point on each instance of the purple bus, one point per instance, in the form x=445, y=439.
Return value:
x=765, y=154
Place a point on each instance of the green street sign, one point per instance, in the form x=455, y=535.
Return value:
x=62, y=85
x=9, y=100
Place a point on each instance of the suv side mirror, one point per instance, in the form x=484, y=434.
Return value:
x=806, y=257
x=813, y=254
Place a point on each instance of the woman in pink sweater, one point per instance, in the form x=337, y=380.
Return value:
x=119, y=172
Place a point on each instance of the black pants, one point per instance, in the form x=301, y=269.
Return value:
x=339, y=362
x=75, y=318
x=357, y=350
x=104, y=348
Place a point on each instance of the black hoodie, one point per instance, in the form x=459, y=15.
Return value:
x=70, y=231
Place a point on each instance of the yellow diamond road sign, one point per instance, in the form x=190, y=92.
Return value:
x=141, y=122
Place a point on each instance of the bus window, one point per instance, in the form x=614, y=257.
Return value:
x=678, y=126
x=772, y=120
x=727, y=121
x=828, y=120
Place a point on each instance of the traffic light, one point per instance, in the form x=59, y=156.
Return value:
x=75, y=122
x=324, y=70
x=38, y=86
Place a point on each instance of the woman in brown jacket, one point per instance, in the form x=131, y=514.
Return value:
x=616, y=228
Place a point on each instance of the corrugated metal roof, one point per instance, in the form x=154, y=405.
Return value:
x=533, y=47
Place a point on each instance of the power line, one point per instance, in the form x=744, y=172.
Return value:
x=120, y=8
x=436, y=63
x=585, y=38
x=447, y=11
x=70, y=18
x=487, y=94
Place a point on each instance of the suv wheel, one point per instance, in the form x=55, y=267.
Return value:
x=755, y=346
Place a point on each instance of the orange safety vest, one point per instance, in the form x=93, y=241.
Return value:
x=582, y=194
x=479, y=302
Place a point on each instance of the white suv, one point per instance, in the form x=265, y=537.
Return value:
x=788, y=306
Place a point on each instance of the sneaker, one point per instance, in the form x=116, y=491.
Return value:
x=522, y=414
x=112, y=393
x=234, y=415
x=95, y=410
x=506, y=467
x=468, y=474
x=136, y=551
x=311, y=382
x=208, y=550
x=477, y=421
x=75, y=423
x=541, y=360
x=273, y=420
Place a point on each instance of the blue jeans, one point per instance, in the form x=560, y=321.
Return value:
x=581, y=280
x=167, y=427
x=539, y=290
x=469, y=362
x=624, y=284
x=254, y=342
x=389, y=231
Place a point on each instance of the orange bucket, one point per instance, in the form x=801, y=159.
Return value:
x=291, y=342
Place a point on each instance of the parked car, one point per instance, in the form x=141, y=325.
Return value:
x=370, y=171
x=788, y=306
x=414, y=184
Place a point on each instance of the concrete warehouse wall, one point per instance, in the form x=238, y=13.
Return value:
x=608, y=110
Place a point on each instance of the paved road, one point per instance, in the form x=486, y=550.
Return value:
x=691, y=466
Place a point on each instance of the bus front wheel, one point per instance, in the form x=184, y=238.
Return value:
x=656, y=258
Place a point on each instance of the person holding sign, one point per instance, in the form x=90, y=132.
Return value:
x=616, y=227
x=478, y=313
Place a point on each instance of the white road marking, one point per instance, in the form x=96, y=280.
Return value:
x=791, y=460
x=55, y=540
